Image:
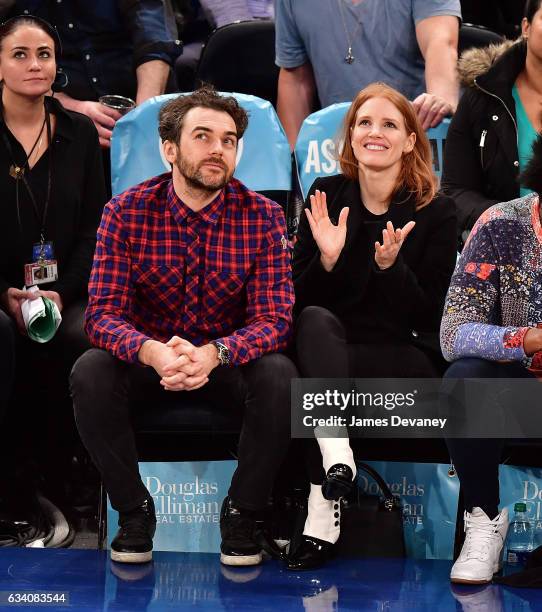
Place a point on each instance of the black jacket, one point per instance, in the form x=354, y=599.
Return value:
x=481, y=161
x=394, y=305
x=77, y=200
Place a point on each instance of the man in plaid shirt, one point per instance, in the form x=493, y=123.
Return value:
x=191, y=277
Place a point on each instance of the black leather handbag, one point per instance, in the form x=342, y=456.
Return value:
x=371, y=525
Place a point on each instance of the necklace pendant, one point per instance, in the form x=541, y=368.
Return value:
x=349, y=57
x=16, y=172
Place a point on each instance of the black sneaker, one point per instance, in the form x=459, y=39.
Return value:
x=133, y=542
x=238, y=530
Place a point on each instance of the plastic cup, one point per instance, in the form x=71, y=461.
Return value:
x=119, y=103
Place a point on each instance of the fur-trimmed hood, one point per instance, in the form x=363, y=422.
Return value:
x=475, y=62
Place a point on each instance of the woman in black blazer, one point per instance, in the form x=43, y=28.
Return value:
x=374, y=255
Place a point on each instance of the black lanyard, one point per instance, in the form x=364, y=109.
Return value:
x=21, y=177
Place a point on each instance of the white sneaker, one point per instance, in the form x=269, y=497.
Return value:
x=481, y=555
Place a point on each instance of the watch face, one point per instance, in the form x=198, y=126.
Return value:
x=223, y=353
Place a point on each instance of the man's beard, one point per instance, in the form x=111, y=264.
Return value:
x=195, y=179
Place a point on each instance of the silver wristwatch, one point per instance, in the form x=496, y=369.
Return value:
x=223, y=352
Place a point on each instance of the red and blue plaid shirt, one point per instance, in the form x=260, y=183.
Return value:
x=161, y=269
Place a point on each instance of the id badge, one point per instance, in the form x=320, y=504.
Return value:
x=40, y=272
x=42, y=251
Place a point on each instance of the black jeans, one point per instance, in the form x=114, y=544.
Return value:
x=8, y=335
x=102, y=387
x=323, y=352
x=36, y=419
x=477, y=460
x=40, y=370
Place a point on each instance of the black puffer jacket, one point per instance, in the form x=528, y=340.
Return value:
x=481, y=161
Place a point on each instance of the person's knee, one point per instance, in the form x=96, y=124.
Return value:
x=71, y=333
x=272, y=374
x=7, y=329
x=471, y=367
x=314, y=328
x=278, y=369
x=7, y=359
x=91, y=374
x=316, y=316
x=8, y=339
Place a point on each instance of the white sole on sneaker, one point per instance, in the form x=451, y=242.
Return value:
x=241, y=560
x=125, y=557
x=469, y=581
x=459, y=580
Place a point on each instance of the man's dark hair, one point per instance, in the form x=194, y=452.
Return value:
x=172, y=114
x=531, y=6
x=531, y=177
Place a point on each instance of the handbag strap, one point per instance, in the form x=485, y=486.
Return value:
x=390, y=500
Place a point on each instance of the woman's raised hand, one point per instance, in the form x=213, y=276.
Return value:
x=392, y=241
x=329, y=238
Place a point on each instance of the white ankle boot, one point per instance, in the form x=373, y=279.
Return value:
x=335, y=450
x=323, y=518
x=481, y=555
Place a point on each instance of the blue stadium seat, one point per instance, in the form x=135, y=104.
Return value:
x=136, y=153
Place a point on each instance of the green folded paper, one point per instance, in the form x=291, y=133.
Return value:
x=42, y=318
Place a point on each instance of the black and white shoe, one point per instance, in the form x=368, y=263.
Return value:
x=243, y=540
x=321, y=531
x=310, y=554
x=133, y=542
x=339, y=482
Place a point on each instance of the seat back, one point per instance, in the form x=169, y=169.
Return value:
x=318, y=142
x=476, y=36
x=241, y=57
x=263, y=157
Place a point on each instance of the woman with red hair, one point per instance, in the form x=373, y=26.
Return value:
x=375, y=252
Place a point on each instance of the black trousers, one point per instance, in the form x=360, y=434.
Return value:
x=36, y=420
x=102, y=387
x=477, y=460
x=323, y=352
x=22, y=359
x=8, y=336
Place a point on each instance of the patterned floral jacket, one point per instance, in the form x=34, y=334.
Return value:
x=495, y=294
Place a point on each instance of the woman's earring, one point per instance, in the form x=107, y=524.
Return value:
x=61, y=80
